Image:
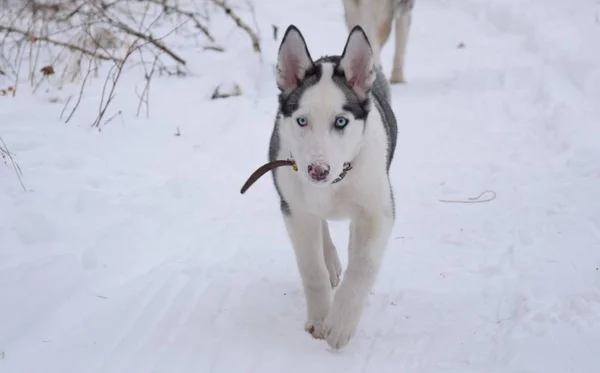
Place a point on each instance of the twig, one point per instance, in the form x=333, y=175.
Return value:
x=253, y=13
x=190, y=15
x=145, y=96
x=240, y=23
x=473, y=199
x=214, y=48
x=33, y=38
x=65, y=106
x=89, y=70
x=156, y=42
x=6, y=153
x=103, y=106
x=112, y=117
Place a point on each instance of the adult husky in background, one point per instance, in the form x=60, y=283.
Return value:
x=335, y=121
x=376, y=17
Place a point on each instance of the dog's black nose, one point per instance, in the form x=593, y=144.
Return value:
x=318, y=172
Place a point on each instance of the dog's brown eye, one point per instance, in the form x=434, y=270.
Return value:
x=341, y=122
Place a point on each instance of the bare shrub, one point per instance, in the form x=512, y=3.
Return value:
x=79, y=37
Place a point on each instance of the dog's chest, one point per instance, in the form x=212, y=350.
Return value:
x=328, y=203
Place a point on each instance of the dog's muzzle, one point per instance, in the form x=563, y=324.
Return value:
x=318, y=171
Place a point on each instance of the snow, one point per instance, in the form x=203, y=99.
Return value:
x=133, y=251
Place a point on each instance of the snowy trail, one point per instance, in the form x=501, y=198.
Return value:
x=136, y=253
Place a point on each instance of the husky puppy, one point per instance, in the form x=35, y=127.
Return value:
x=335, y=121
x=376, y=17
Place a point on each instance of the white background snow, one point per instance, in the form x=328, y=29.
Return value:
x=133, y=250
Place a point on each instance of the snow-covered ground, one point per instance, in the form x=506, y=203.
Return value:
x=133, y=250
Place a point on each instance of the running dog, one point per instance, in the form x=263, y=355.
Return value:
x=336, y=125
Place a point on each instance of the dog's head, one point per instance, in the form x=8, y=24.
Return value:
x=324, y=104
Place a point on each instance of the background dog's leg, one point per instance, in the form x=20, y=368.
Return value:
x=368, y=239
x=380, y=35
x=403, y=21
x=375, y=17
x=332, y=260
x=306, y=235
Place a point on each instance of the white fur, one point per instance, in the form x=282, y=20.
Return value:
x=317, y=143
x=376, y=18
x=363, y=197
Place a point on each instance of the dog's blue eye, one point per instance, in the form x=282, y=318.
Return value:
x=301, y=121
x=341, y=122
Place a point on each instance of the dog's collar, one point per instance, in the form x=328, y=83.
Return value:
x=347, y=167
x=288, y=162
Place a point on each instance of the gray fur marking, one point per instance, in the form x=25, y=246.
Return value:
x=381, y=91
x=274, y=146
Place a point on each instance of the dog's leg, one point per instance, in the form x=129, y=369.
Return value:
x=332, y=260
x=306, y=234
x=368, y=238
x=375, y=17
x=380, y=35
x=383, y=15
x=403, y=21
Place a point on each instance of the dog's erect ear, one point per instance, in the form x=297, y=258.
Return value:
x=293, y=60
x=357, y=62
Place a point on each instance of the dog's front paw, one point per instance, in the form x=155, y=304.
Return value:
x=335, y=277
x=317, y=309
x=315, y=328
x=340, y=325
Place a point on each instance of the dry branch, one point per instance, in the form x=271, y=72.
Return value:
x=145, y=96
x=35, y=38
x=147, y=37
x=243, y=25
x=89, y=70
x=190, y=15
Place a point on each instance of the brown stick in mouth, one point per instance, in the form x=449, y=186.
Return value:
x=266, y=168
